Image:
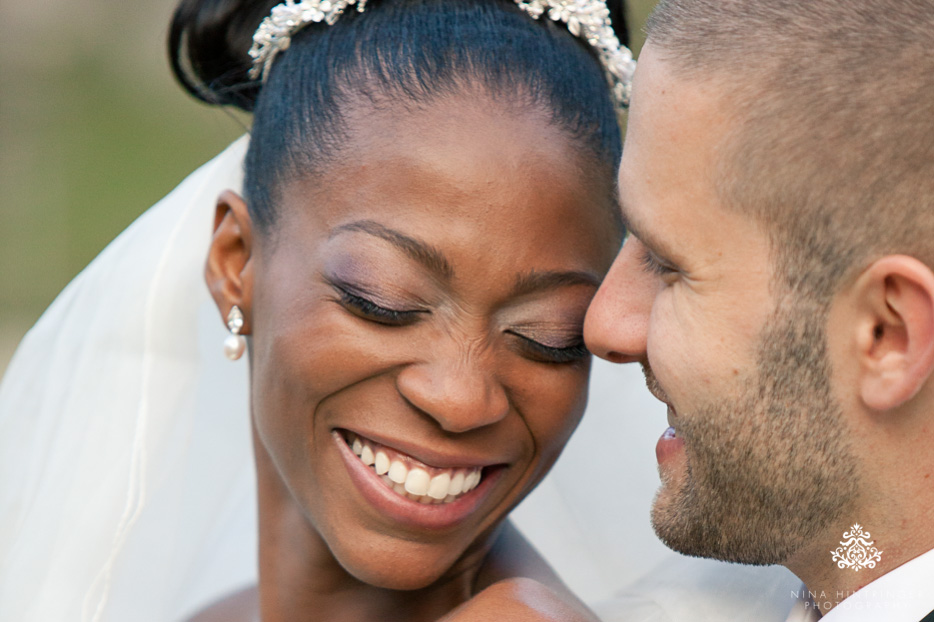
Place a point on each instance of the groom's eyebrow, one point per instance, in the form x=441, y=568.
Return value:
x=631, y=228
x=418, y=250
x=635, y=229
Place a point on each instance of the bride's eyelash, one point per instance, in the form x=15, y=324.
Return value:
x=551, y=354
x=368, y=309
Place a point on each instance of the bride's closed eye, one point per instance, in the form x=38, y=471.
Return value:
x=537, y=351
x=361, y=304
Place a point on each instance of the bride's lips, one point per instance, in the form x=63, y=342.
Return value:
x=472, y=484
x=670, y=444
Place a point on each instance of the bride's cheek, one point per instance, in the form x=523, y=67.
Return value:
x=552, y=404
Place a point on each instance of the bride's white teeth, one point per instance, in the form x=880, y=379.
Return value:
x=414, y=482
x=417, y=481
x=398, y=472
x=457, y=484
x=382, y=462
x=438, y=488
x=472, y=480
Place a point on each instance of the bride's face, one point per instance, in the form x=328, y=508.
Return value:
x=416, y=318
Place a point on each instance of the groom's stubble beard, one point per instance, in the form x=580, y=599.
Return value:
x=769, y=470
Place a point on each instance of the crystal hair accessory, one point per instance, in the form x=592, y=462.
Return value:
x=235, y=343
x=588, y=20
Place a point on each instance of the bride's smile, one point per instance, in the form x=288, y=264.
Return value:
x=415, y=479
x=410, y=491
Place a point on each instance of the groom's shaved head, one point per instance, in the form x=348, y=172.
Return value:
x=834, y=114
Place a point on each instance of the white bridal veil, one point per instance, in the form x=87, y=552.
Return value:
x=126, y=474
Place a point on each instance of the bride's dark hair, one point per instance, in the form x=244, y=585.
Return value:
x=398, y=50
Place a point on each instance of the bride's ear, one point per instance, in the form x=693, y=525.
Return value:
x=229, y=271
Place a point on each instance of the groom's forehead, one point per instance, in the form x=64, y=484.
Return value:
x=673, y=144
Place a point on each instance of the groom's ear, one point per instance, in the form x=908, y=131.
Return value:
x=229, y=269
x=895, y=343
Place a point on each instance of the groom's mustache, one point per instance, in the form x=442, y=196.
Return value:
x=652, y=383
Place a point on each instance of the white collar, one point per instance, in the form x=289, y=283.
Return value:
x=901, y=595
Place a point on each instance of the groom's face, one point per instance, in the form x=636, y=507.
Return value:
x=752, y=463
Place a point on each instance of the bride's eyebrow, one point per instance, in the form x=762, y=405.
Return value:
x=418, y=250
x=538, y=280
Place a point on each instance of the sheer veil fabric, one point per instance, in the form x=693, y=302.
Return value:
x=124, y=439
x=126, y=471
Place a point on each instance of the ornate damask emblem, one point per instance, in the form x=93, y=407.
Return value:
x=856, y=550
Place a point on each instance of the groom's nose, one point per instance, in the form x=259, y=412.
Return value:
x=617, y=322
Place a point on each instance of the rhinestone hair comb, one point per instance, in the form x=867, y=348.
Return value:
x=588, y=20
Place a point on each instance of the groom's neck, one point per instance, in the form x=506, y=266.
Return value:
x=850, y=556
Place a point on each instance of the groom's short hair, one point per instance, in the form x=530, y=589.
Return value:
x=833, y=147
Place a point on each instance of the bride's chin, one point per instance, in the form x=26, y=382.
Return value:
x=400, y=569
x=400, y=575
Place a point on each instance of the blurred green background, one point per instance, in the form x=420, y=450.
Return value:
x=93, y=131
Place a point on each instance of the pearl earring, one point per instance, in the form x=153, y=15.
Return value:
x=235, y=343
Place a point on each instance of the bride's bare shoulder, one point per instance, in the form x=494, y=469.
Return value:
x=240, y=606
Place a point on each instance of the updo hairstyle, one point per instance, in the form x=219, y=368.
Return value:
x=397, y=50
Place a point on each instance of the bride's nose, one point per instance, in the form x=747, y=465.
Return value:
x=458, y=389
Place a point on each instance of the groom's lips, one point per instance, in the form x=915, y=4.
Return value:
x=670, y=444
